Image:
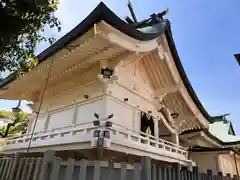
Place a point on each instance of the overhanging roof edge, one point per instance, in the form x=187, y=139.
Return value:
x=207, y=133
x=102, y=12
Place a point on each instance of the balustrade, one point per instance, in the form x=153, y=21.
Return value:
x=75, y=133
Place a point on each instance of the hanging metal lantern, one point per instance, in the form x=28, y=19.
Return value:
x=107, y=72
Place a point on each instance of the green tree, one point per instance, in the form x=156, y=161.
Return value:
x=18, y=122
x=22, y=24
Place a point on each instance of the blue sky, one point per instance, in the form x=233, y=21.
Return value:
x=206, y=34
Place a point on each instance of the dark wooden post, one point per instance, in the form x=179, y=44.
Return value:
x=47, y=165
x=196, y=173
x=146, y=168
x=14, y=167
x=176, y=171
x=220, y=175
x=235, y=177
x=164, y=173
x=110, y=170
x=228, y=176
x=96, y=172
x=83, y=169
x=185, y=173
x=210, y=174
x=70, y=169
x=169, y=173
x=137, y=171
x=154, y=172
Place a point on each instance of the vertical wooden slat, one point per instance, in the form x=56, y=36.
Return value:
x=110, y=170
x=37, y=168
x=146, y=168
x=55, y=169
x=96, y=173
x=173, y=173
x=9, y=168
x=137, y=171
x=188, y=175
x=83, y=170
x=4, y=173
x=30, y=169
x=164, y=173
x=25, y=169
x=47, y=165
x=191, y=175
x=196, y=173
x=184, y=173
x=228, y=176
x=15, y=165
x=1, y=165
x=154, y=172
x=123, y=171
x=159, y=169
x=70, y=169
x=220, y=175
x=19, y=170
x=206, y=177
x=169, y=173
x=176, y=171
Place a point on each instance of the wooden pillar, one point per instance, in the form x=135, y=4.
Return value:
x=74, y=118
x=175, y=138
x=219, y=162
x=30, y=124
x=156, y=129
x=146, y=168
x=46, y=120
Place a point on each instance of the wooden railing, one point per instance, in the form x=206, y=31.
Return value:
x=84, y=132
x=57, y=133
x=143, y=138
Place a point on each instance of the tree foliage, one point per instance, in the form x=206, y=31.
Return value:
x=22, y=24
x=17, y=122
x=17, y=125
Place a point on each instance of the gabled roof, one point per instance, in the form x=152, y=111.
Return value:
x=103, y=13
x=205, y=149
x=222, y=140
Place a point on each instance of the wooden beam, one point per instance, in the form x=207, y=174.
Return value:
x=167, y=90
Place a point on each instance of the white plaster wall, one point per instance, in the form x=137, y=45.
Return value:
x=123, y=113
x=228, y=164
x=85, y=111
x=61, y=108
x=60, y=118
x=40, y=124
x=205, y=161
x=129, y=113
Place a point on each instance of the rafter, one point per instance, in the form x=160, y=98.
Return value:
x=167, y=90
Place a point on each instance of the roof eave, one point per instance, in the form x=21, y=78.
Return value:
x=100, y=13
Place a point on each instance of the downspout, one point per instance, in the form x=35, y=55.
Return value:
x=236, y=165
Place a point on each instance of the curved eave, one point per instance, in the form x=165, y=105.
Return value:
x=182, y=72
x=103, y=13
x=100, y=13
x=206, y=133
